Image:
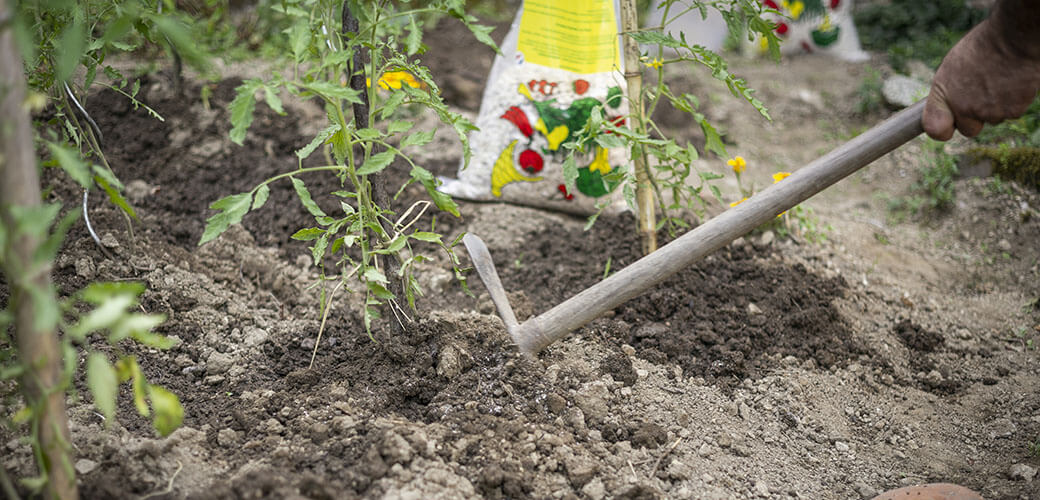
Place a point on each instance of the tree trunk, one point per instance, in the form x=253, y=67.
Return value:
x=38, y=348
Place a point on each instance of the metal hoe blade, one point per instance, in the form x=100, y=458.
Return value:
x=478, y=253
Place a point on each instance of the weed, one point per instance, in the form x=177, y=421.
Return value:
x=1034, y=447
x=934, y=191
x=868, y=95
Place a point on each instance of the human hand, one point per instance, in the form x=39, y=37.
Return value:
x=982, y=80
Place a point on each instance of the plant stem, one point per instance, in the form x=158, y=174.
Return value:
x=362, y=119
x=634, y=77
x=42, y=384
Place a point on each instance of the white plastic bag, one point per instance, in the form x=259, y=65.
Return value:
x=559, y=62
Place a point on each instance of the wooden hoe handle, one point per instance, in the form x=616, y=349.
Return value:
x=538, y=332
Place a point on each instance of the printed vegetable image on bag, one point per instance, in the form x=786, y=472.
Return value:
x=560, y=64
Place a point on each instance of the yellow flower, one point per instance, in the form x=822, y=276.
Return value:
x=656, y=63
x=795, y=8
x=738, y=164
x=395, y=79
x=779, y=176
x=738, y=202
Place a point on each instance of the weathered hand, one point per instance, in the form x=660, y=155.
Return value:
x=983, y=79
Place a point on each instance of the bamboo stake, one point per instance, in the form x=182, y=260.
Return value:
x=645, y=204
x=29, y=282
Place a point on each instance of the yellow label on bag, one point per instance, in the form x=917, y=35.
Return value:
x=578, y=35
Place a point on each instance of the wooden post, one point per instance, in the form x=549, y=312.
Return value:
x=634, y=77
x=38, y=349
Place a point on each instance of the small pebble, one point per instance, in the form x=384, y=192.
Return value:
x=1018, y=472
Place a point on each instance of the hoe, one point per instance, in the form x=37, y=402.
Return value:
x=536, y=333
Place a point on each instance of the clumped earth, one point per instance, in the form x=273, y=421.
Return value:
x=893, y=353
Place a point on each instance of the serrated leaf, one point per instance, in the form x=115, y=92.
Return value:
x=241, y=109
x=413, y=41
x=379, y=290
x=570, y=173
x=333, y=91
x=398, y=126
x=168, y=410
x=427, y=237
x=421, y=138
x=273, y=101
x=442, y=200
x=103, y=384
x=376, y=163
x=392, y=103
x=368, y=134
x=232, y=209
x=305, y=198
x=260, y=197
x=72, y=164
x=308, y=234
x=299, y=39
x=112, y=187
x=654, y=37
x=317, y=141
x=374, y=275
x=318, y=250
x=482, y=34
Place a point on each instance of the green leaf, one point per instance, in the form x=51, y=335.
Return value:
x=317, y=141
x=376, y=163
x=417, y=139
x=427, y=237
x=299, y=39
x=398, y=126
x=102, y=316
x=305, y=198
x=379, y=290
x=232, y=209
x=318, y=250
x=153, y=340
x=180, y=37
x=442, y=200
x=374, y=275
x=69, y=48
x=260, y=198
x=168, y=410
x=413, y=41
x=108, y=182
x=392, y=103
x=273, y=101
x=103, y=384
x=570, y=173
x=653, y=37
x=136, y=325
x=482, y=33
x=308, y=234
x=331, y=90
x=368, y=134
x=241, y=109
x=128, y=369
x=72, y=164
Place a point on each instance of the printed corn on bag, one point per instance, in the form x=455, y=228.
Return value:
x=560, y=62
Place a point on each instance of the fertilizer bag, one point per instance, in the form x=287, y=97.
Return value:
x=559, y=63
